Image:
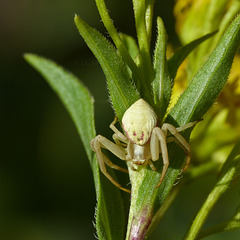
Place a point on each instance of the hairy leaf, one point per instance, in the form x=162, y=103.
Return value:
x=176, y=60
x=73, y=94
x=210, y=79
x=79, y=104
x=162, y=82
x=122, y=92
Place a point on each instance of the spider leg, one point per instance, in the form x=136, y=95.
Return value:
x=119, y=141
x=117, y=134
x=158, y=135
x=180, y=140
x=186, y=126
x=112, y=165
x=152, y=165
x=101, y=142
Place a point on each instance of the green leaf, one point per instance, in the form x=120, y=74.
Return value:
x=122, y=92
x=176, y=60
x=74, y=95
x=130, y=44
x=108, y=23
x=233, y=224
x=229, y=170
x=162, y=82
x=148, y=16
x=209, y=80
x=79, y=104
x=200, y=96
x=110, y=212
x=133, y=50
x=139, y=7
x=145, y=63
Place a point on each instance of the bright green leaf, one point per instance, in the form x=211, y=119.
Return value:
x=176, y=60
x=108, y=23
x=74, y=95
x=110, y=212
x=232, y=224
x=162, y=82
x=210, y=79
x=130, y=44
x=145, y=63
x=229, y=170
x=200, y=95
x=122, y=92
x=148, y=16
x=79, y=104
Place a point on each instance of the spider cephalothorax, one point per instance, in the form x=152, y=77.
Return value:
x=142, y=143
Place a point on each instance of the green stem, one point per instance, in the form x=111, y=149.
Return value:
x=228, y=172
x=108, y=23
x=149, y=17
x=143, y=38
x=143, y=195
x=161, y=212
x=234, y=223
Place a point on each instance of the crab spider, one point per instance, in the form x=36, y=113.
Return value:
x=142, y=143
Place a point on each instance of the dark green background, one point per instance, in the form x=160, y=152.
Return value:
x=46, y=185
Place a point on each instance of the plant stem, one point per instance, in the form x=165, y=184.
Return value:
x=143, y=39
x=108, y=23
x=219, y=189
x=149, y=16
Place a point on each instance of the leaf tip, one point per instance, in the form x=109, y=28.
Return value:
x=26, y=56
x=29, y=57
x=77, y=19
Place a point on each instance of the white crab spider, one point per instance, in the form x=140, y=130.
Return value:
x=142, y=143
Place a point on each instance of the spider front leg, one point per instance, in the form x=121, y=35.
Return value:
x=118, y=137
x=159, y=138
x=179, y=139
x=100, y=142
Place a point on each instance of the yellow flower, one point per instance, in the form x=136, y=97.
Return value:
x=180, y=83
x=195, y=18
x=190, y=15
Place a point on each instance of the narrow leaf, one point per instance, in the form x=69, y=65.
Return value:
x=176, y=60
x=162, y=82
x=108, y=23
x=72, y=93
x=122, y=92
x=110, y=213
x=145, y=63
x=133, y=50
x=199, y=96
x=229, y=170
x=79, y=104
x=130, y=44
x=196, y=100
x=210, y=79
x=149, y=17
x=233, y=224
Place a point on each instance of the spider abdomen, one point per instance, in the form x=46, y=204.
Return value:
x=138, y=122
